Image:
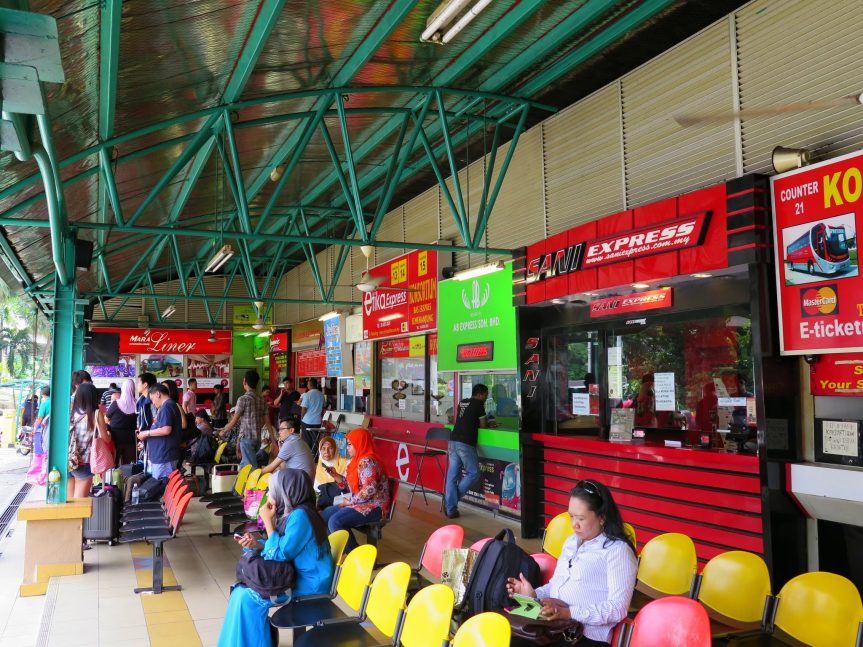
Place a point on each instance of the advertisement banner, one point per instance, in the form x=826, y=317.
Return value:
x=247, y=315
x=279, y=342
x=312, y=363
x=105, y=374
x=307, y=334
x=839, y=374
x=333, y=346
x=408, y=308
x=816, y=213
x=134, y=341
x=162, y=365
x=637, y=302
x=476, y=323
x=209, y=370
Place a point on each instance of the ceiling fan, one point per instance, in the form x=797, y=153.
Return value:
x=697, y=119
x=369, y=283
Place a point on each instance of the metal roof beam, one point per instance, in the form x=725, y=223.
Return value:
x=370, y=43
x=223, y=299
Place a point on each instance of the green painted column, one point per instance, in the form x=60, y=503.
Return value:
x=61, y=371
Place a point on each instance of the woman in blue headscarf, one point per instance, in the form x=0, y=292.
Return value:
x=295, y=533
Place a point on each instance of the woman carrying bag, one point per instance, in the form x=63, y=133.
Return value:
x=84, y=424
x=295, y=533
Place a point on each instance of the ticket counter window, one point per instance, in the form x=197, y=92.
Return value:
x=694, y=374
x=502, y=404
x=442, y=397
x=403, y=378
x=571, y=401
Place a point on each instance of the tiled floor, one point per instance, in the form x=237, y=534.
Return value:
x=99, y=609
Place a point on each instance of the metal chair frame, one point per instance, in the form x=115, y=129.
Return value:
x=435, y=433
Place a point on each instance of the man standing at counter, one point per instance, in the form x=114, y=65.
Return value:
x=470, y=418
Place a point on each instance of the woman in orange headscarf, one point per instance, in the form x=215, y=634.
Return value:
x=366, y=485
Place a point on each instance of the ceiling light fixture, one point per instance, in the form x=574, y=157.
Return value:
x=701, y=275
x=558, y=302
x=169, y=311
x=442, y=18
x=259, y=324
x=640, y=286
x=212, y=338
x=332, y=314
x=481, y=270
x=787, y=159
x=221, y=257
x=275, y=174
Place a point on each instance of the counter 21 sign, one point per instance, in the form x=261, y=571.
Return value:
x=816, y=214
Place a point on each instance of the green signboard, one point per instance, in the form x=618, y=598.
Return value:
x=476, y=323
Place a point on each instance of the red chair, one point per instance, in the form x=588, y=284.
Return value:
x=670, y=622
x=547, y=564
x=479, y=543
x=442, y=539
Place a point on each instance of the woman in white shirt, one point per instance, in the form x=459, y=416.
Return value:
x=595, y=574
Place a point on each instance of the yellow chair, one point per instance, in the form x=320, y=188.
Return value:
x=338, y=541
x=252, y=480
x=351, y=584
x=219, y=451
x=667, y=566
x=263, y=482
x=428, y=617
x=734, y=588
x=483, y=630
x=818, y=609
x=557, y=531
x=629, y=531
x=384, y=608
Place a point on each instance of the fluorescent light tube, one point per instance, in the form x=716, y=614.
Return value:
x=441, y=16
x=482, y=270
x=464, y=20
x=221, y=257
x=330, y=315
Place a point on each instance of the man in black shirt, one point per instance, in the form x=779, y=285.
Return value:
x=288, y=401
x=470, y=417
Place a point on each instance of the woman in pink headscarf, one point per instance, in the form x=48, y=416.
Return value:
x=121, y=418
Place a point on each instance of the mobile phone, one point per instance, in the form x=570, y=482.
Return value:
x=237, y=535
x=329, y=469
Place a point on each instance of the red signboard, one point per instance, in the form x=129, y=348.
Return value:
x=816, y=214
x=677, y=236
x=476, y=352
x=651, y=300
x=279, y=342
x=394, y=348
x=409, y=309
x=312, y=363
x=837, y=374
x=178, y=342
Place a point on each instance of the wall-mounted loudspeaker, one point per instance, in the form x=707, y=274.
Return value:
x=83, y=254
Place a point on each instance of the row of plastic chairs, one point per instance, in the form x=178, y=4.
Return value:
x=426, y=620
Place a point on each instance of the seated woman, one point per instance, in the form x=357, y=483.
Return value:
x=295, y=533
x=595, y=574
x=366, y=481
x=330, y=463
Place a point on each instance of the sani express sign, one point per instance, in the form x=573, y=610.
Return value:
x=476, y=323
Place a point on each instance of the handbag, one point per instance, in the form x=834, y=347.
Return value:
x=101, y=454
x=546, y=632
x=266, y=577
x=456, y=567
x=74, y=458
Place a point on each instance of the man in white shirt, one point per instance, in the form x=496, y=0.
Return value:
x=311, y=410
x=190, y=398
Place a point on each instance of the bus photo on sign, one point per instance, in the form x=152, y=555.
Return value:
x=820, y=249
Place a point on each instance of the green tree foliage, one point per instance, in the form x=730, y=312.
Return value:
x=24, y=339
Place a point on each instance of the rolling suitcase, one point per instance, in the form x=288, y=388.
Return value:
x=104, y=522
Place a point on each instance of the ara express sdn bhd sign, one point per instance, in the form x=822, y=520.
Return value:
x=476, y=323
x=816, y=214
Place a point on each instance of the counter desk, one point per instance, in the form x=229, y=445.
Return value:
x=712, y=496
x=499, y=489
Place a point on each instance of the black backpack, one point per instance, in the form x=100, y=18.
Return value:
x=266, y=577
x=499, y=559
x=203, y=450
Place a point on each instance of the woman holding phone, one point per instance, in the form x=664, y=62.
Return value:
x=595, y=574
x=295, y=533
x=330, y=463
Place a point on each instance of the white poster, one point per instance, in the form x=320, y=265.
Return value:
x=581, y=404
x=840, y=438
x=663, y=389
x=615, y=382
x=732, y=402
x=615, y=356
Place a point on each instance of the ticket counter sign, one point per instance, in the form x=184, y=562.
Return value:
x=405, y=301
x=816, y=215
x=840, y=374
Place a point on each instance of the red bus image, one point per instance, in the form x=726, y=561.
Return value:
x=822, y=250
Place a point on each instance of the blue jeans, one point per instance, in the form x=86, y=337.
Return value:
x=460, y=455
x=248, y=452
x=161, y=470
x=346, y=518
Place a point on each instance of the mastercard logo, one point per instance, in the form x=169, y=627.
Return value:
x=821, y=301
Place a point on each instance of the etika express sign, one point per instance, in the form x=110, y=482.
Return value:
x=816, y=214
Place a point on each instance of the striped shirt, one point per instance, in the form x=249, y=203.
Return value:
x=597, y=580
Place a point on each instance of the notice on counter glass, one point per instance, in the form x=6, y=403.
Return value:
x=840, y=438
x=622, y=422
x=615, y=356
x=615, y=382
x=663, y=389
x=732, y=402
x=581, y=404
